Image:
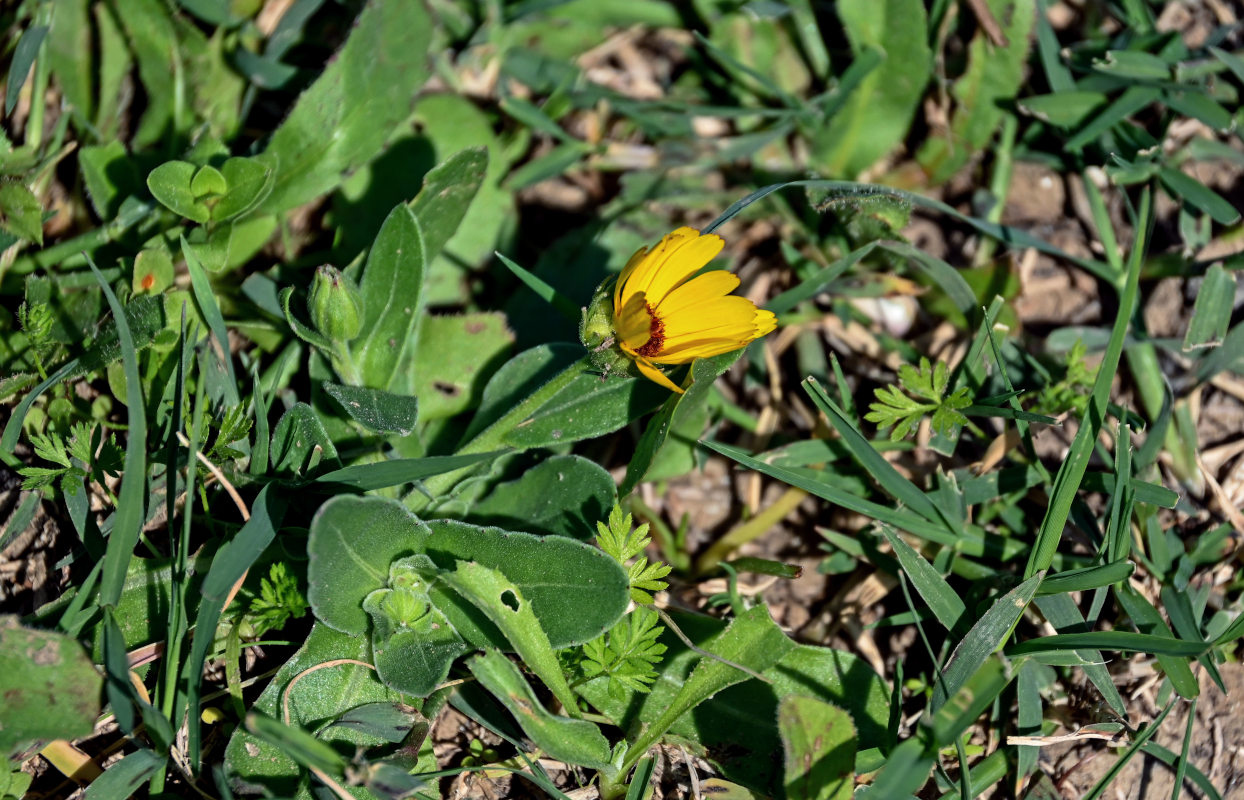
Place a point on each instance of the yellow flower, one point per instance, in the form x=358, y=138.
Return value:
x=663, y=315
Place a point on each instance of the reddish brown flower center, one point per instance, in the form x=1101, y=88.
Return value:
x=656, y=335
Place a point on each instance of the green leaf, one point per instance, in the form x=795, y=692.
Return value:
x=1199, y=195
x=413, y=643
x=454, y=357
x=377, y=411
x=110, y=176
x=819, y=741
x=573, y=741
x=587, y=408
x=296, y=743
x=351, y=545
x=154, y=42
x=941, y=599
x=124, y=778
x=833, y=676
x=985, y=638
x=447, y=194
x=875, y=116
x=383, y=474
x=1063, y=109
x=677, y=408
x=255, y=765
x=170, y=184
x=1149, y=620
x=344, y=119
x=576, y=591
x=248, y=181
x=970, y=700
x=751, y=640
x=392, y=293
x=503, y=603
x=992, y=80
x=1211, y=315
x=19, y=69
x=51, y=689
x=562, y=495
x=132, y=496
x=70, y=53
x=20, y=211
x=300, y=443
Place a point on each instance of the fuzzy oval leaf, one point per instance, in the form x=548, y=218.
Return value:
x=256, y=766
x=563, y=495
x=392, y=292
x=447, y=192
x=576, y=591
x=453, y=357
x=379, y=412
x=50, y=688
x=352, y=543
x=819, y=741
x=170, y=184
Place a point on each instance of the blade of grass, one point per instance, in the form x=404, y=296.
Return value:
x=131, y=498
x=1128, y=754
x=890, y=479
x=206, y=301
x=1117, y=641
x=545, y=292
x=1070, y=474
x=943, y=601
x=985, y=638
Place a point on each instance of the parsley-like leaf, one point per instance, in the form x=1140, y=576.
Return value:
x=923, y=394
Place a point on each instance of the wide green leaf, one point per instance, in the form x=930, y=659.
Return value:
x=376, y=410
x=392, y=291
x=50, y=688
x=344, y=119
x=564, y=495
x=819, y=741
x=576, y=591
x=876, y=115
x=351, y=545
x=573, y=741
x=320, y=696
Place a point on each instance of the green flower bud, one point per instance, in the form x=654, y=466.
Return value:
x=335, y=305
x=596, y=333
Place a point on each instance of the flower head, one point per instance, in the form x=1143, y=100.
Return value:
x=664, y=315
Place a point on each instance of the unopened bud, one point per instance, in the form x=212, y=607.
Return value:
x=335, y=305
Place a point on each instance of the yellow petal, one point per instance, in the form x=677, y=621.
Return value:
x=655, y=375
x=709, y=286
x=632, y=324
x=676, y=258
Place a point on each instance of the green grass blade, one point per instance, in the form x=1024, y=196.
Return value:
x=546, y=293
x=1117, y=641
x=131, y=499
x=1071, y=473
x=985, y=638
x=943, y=601
x=206, y=301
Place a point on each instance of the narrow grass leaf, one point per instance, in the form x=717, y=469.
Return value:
x=810, y=286
x=970, y=700
x=1127, y=755
x=1028, y=721
x=899, y=518
x=1071, y=473
x=890, y=479
x=210, y=310
x=1116, y=641
x=230, y=563
x=125, y=777
x=383, y=474
x=1149, y=620
x=19, y=68
x=1061, y=612
x=1199, y=778
x=1079, y=580
x=1184, y=620
x=1211, y=314
x=1199, y=195
x=985, y=638
x=943, y=601
x=546, y=293
x=131, y=498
